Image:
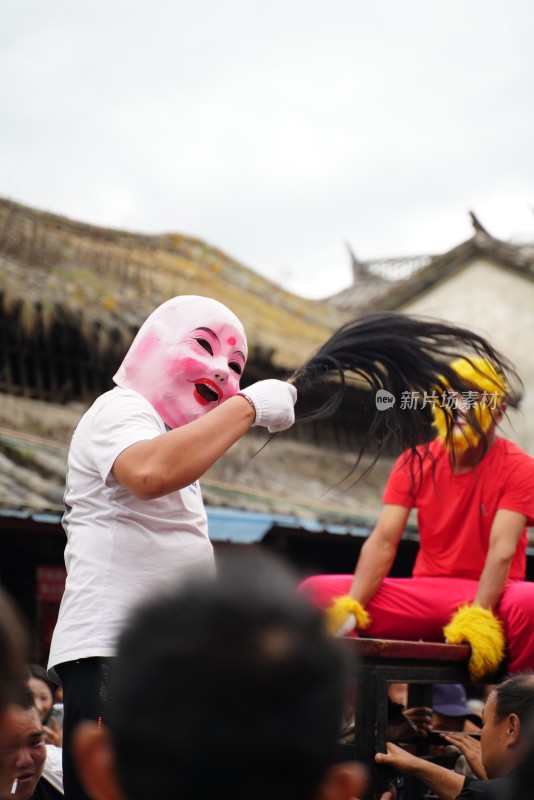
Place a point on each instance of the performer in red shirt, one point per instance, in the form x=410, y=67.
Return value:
x=473, y=500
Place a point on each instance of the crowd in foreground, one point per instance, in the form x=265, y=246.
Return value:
x=231, y=686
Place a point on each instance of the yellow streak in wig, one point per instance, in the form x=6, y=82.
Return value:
x=481, y=628
x=340, y=609
x=482, y=375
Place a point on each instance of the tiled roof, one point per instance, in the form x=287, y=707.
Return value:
x=286, y=477
x=395, y=269
x=387, y=284
x=518, y=258
x=373, y=280
x=106, y=282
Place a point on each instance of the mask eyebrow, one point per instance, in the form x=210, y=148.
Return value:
x=212, y=333
x=239, y=353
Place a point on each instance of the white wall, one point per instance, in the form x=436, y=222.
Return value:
x=500, y=305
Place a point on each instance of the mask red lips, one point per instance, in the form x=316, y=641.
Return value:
x=207, y=392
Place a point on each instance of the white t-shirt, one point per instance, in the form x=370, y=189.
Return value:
x=53, y=767
x=119, y=549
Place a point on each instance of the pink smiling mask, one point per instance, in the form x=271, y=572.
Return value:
x=186, y=359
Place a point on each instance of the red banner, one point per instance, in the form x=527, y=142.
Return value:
x=50, y=584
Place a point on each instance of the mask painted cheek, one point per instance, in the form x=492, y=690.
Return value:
x=440, y=422
x=188, y=365
x=480, y=416
x=465, y=438
x=232, y=387
x=460, y=441
x=484, y=417
x=147, y=347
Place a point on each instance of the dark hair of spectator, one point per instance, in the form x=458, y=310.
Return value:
x=39, y=672
x=516, y=696
x=227, y=688
x=24, y=698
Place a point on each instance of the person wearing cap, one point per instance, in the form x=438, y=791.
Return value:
x=474, y=498
x=451, y=714
x=450, y=711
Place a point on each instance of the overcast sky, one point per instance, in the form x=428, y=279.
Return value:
x=276, y=130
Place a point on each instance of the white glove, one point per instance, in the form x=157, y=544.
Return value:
x=347, y=627
x=273, y=401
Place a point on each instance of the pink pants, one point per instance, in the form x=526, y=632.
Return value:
x=418, y=608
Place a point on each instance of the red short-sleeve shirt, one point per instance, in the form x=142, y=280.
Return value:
x=455, y=511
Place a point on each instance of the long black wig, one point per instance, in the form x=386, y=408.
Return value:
x=393, y=355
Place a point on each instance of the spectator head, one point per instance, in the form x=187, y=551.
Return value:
x=449, y=707
x=42, y=690
x=229, y=687
x=23, y=751
x=508, y=715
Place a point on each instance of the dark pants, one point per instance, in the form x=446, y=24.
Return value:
x=85, y=694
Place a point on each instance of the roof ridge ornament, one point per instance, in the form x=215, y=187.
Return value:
x=478, y=226
x=359, y=268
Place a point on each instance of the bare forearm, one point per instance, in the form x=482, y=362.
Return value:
x=471, y=749
x=373, y=565
x=492, y=581
x=169, y=462
x=505, y=534
x=446, y=783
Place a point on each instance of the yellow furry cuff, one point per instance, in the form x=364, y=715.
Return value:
x=483, y=631
x=340, y=609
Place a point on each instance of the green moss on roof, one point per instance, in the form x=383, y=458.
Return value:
x=91, y=275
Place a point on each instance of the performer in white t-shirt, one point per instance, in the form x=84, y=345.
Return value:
x=134, y=515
